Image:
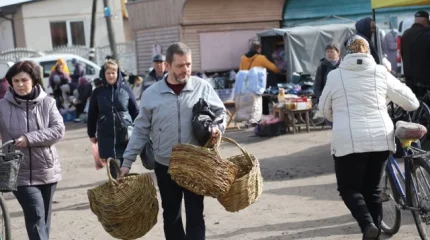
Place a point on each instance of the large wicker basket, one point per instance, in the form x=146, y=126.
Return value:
x=127, y=208
x=248, y=185
x=201, y=169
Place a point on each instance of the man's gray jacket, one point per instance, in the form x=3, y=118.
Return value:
x=165, y=118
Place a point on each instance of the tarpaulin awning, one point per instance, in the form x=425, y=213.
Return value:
x=305, y=45
x=398, y=3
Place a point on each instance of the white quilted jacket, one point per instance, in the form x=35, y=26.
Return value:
x=355, y=99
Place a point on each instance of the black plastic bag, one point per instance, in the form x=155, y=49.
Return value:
x=203, y=120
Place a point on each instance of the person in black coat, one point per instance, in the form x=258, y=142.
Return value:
x=112, y=106
x=330, y=62
x=365, y=28
x=414, y=48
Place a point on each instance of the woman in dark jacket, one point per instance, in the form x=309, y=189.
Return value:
x=112, y=107
x=330, y=62
x=29, y=116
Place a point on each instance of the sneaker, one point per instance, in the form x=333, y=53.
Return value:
x=370, y=232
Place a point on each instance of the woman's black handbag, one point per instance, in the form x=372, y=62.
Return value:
x=125, y=127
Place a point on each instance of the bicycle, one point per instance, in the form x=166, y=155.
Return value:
x=9, y=167
x=412, y=198
x=422, y=115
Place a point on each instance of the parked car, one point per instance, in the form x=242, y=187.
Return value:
x=47, y=61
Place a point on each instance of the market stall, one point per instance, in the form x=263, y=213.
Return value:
x=304, y=46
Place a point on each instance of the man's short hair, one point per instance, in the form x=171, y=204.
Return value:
x=255, y=45
x=176, y=48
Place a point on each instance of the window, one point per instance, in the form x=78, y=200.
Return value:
x=47, y=67
x=59, y=34
x=90, y=70
x=78, y=36
x=67, y=33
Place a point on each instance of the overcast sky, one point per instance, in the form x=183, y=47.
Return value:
x=11, y=2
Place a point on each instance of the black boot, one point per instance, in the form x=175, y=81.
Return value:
x=371, y=232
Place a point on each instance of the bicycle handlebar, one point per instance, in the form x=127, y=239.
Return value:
x=8, y=143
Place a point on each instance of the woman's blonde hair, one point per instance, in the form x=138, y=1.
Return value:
x=111, y=64
x=359, y=46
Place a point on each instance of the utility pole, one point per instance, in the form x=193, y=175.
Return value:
x=111, y=33
x=93, y=31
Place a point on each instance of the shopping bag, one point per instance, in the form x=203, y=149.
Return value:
x=99, y=163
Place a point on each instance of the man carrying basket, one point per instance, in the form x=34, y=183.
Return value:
x=165, y=116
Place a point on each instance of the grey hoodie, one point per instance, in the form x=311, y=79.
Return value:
x=40, y=121
x=166, y=118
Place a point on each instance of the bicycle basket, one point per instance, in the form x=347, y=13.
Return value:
x=9, y=168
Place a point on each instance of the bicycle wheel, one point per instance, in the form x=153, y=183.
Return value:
x=5, y=220
x=418, y=196
x=391, y=213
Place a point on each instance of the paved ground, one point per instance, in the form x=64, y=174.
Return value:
x=299, y=201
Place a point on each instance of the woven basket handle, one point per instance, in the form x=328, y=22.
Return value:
x=208, y=143
x=108, y=162
x=226, y=139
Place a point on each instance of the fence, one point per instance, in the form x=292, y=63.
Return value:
x=126, y=54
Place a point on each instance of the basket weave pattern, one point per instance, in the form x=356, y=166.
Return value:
x=128, y=208
x=248, y=186
x=201, y=170
x=9, y=169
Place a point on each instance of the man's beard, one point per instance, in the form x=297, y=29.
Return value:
x=180, y=80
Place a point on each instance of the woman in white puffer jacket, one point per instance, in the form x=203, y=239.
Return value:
x=355, y=100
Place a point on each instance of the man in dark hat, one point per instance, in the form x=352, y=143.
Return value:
x=408, y=38
x=158, y=71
